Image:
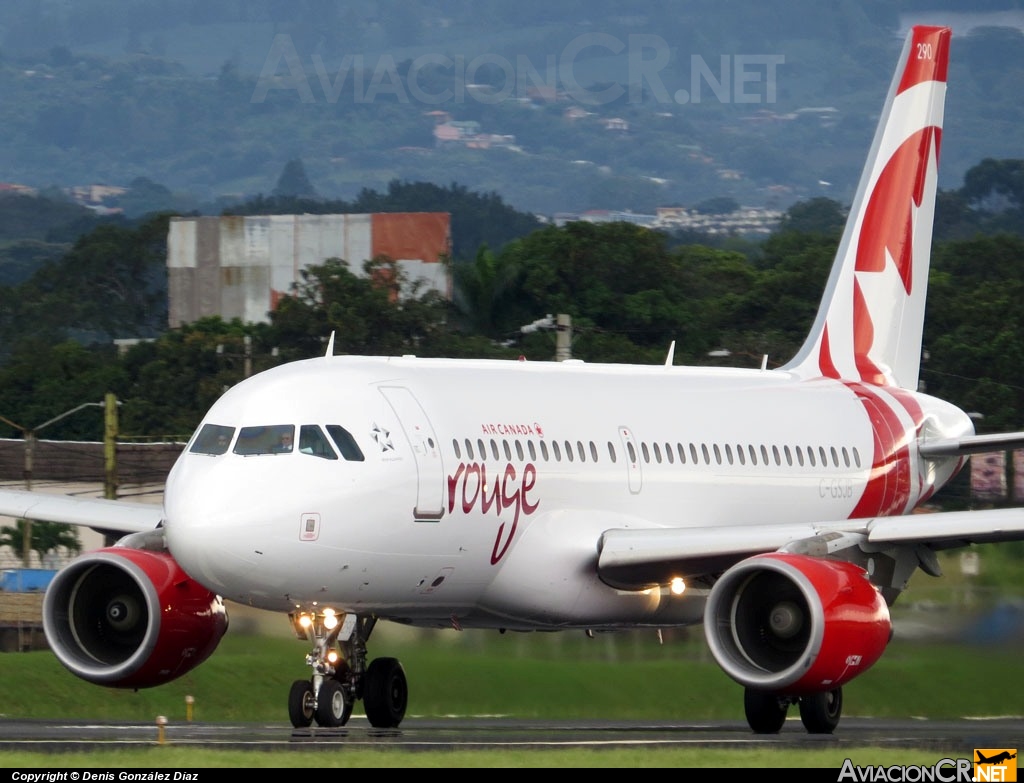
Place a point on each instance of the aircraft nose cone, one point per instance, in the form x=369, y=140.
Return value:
x=213, y=525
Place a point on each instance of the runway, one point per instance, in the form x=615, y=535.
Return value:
x=436, y=735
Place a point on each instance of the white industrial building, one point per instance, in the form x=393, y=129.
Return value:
x=240, y=266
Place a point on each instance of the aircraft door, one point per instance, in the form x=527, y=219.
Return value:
x=425, y=449
x=632, y=460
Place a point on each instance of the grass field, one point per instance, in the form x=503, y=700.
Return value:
x=545, y=676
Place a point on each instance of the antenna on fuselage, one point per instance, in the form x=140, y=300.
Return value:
x=671, y=354
x=330, y=346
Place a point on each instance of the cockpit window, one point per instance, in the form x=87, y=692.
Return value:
x=272, y=439
x=345, y=442
x=212, y=439
x=313, y=441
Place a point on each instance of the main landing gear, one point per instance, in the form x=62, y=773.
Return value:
x=819, y=712
x=341, y=676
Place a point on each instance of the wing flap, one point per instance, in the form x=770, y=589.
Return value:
x=115, y=515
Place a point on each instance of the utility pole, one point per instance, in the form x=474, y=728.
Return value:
x=110, y=431
x=563, y=337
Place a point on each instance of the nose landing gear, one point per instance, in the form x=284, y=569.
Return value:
x=341, y=675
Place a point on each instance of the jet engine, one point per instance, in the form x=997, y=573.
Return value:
x=794, y=625
x=130, y=618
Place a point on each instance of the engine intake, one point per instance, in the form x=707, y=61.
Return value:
x=130, y=618
x=795, y=624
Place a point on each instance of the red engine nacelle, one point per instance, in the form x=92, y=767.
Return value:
x=130, y=618
x=795, y=624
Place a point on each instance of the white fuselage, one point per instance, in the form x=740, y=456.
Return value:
x=485, y=486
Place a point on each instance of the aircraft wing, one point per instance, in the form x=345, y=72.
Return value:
x=119, y=516
x=643, y=557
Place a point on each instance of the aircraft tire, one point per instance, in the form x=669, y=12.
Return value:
x=820, y=712
x=385, y=693
x=333, y=707
x=766, y=712
x=301, y=705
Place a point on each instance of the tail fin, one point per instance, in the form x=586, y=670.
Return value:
x=871, y=317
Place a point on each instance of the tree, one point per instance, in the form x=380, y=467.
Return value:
x=482, y=289
x=294, y=182
x=45, y=536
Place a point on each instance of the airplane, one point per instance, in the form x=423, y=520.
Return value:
x=772, y=506
x=996, y=759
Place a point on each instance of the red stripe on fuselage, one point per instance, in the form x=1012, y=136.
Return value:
x=890, y=489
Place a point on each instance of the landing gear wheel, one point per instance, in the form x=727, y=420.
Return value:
x=301, y=704
x=333, y=706
x=766, y=712
x=385, y=693
x=820, y=712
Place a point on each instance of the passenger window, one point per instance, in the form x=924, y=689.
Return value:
x=718, y=454
x=707, y=455
x=494, y=450
x=846, y=457
x=799, y=455
x=212, y=439
x=835, y=456
x=669, y=454
x=646, y=452
x=810, y=455
x=533, y=451
x=740, y=454
x=313, y=441
x=682, y=453
x=856, y=457
x=753, y=453
x=455, y=445
x=789, y=455
x=611, y=451
x=579, y=450
x=544, y=450
x=519, y=450
x=469, y=449
x=632, y=451
x=557, y=451
x=481, y=449
x=593, y=451
x=346, y=444
x=568, y=451
x=508, y=451
x=657, y=453
x=728, y=453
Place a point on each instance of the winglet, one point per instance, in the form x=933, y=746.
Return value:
x=671, y=354
x=330, y=347
x=870, y=322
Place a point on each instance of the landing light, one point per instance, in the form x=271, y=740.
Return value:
x=677, y=586
x=330, y=619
